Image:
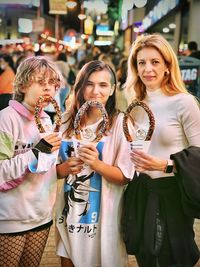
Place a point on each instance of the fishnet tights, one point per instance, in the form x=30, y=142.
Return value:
x=23, y=250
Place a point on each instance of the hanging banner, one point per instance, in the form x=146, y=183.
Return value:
x=38, y=24
x=57, y=7
x=88, y=26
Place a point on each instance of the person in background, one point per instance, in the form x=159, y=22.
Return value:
x=6, y=80
x=121, y=101
x=28, y=180
x=107, y=58
x=69, y=100
x=193, y=50
x=63, y=66
x=19, y=60
x=72, y=69
x=164, y=224
x=96, y=52
x=88, y=209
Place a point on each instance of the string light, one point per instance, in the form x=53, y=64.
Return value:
x=71, y=4
x=82, y=16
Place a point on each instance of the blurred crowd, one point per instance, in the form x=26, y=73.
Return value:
x=69, y=63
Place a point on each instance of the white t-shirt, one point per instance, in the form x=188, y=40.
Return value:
x=177, y=125
x=91, y=237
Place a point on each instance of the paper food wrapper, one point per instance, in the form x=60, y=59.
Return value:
x=140, y=145
x=77, y=144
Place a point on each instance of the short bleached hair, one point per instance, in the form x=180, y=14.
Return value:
x=29, y=69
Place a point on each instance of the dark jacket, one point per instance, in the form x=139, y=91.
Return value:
x=195, y=54
x=176, y=200
x=188, y=177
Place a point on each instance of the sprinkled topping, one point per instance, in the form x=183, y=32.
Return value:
x=127, y=116
x=38, y=109
x=82, y=111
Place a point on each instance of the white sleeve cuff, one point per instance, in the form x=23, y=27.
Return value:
x=43, y=163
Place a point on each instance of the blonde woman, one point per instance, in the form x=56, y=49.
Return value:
x=165, y=233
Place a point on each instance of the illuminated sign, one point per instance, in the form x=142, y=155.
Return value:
x=102, y=42
x=25, y=25
x=57, y=7
x=159, y=10
x=21, y=2
x=88, y=25
x=38, y=24
x=104, y=30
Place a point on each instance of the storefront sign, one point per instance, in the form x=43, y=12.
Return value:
x=57, y=7
x=38, y=24
x=190, y=76
x=88, y=26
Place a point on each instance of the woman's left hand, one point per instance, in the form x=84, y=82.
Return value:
x=145, y=162
x=89, y=155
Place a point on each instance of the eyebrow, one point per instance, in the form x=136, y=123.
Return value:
x=151, y=59
x=101, y=82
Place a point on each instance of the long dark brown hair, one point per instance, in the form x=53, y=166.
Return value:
x=80, y=86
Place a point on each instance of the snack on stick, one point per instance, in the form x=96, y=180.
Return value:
x=81, y=112
x=127, y=116
x=38, y=109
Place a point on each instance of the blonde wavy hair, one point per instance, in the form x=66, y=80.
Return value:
x=28, y=71
x=172, y=83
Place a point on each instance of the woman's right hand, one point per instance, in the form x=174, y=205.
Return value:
x=72, y=165
x=145, y=162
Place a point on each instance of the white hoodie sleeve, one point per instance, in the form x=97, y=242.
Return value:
x=12, y=168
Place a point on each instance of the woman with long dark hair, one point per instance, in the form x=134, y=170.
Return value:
x=89, y=207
